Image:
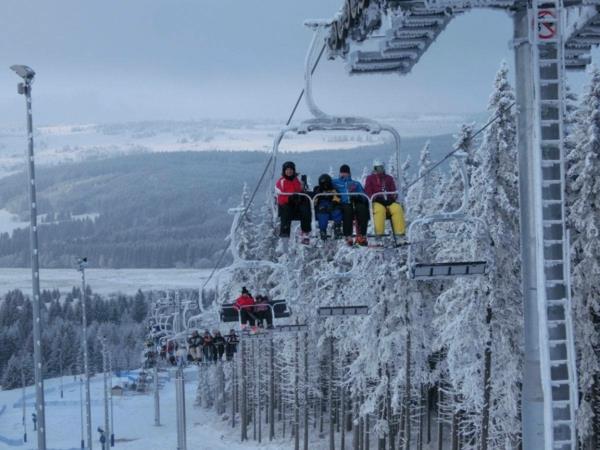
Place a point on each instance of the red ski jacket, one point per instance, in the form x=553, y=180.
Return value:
x=380, y=182
x=288, y=186
x=243, y=300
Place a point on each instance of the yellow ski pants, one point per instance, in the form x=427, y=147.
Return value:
x=380, y=213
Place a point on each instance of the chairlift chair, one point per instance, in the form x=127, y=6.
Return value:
x=278, y=308
x=427, y=233
x=322, y=122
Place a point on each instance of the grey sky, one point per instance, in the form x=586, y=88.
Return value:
x=115, y=60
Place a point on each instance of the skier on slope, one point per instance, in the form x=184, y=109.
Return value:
x=378, y=187
x=290, y=205
x=354, y=207
x=327, y=207
x=244, y=304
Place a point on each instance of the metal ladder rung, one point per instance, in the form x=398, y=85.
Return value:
x=550, y=222
x=548, y=183
x=549, y=121
x=558, y=362
x=551, y=162
x=561, y=422
x=552, y=283
x=553, y=323
x=551, y=141
x=551, y=202
x=551, y=102
x=561, y=302
x=552, y=241
x=553, y=262
x=557, y=341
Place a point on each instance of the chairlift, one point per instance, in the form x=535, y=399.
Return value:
x=322, y=122
x=427, y=233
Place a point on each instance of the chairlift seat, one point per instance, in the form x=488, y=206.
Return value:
x=230, y=314
x=448, y=269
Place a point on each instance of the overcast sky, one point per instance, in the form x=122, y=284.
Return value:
x=115, y=60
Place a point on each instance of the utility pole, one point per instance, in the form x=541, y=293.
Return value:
x=81, y=265
x=533, y=399
x=105, y=382
x=24, y=88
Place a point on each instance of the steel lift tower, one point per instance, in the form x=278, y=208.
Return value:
x=550, y=37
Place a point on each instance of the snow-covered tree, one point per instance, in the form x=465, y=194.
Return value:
x=583, y=207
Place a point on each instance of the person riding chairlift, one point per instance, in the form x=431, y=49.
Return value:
x=385, y=205
x=352, y=206
x=262, y=311
x=244, y=304
x=328, y=207
x=292, y=207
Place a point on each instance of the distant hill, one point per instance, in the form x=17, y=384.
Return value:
x=157, y=209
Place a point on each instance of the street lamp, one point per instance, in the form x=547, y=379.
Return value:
x=81, y=265
x=24, y=88
x=105, y=383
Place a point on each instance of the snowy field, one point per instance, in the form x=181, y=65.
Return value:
x=105, y=281
x=133, y=420
x=71, y=143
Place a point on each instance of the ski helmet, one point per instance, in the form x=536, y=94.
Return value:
x=325, y=182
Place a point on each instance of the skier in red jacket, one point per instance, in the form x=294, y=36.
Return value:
x=244, y=303
x=292, y=207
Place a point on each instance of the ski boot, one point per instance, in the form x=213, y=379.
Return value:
x=337, y=231
x=361, y=240
x=305, y=238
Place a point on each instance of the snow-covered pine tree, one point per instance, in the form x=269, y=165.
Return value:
x=464, y=322
x=583, y=214
x=245, y=233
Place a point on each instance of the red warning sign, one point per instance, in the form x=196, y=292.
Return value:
x=546, y=24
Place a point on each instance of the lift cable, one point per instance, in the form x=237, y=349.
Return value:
x=437, y=164
x=262, y=177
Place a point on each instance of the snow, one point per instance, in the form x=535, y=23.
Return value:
x=10, y=222
x=104, y=281
x=58, y=144
x=133, y=419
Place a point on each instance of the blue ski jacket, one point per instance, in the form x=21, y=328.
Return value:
x=345, y=185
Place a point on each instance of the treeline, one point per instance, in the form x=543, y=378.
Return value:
x=121, y=319
x=152, y=210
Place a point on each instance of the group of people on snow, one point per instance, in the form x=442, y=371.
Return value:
x=343, y=201
x=254, y=311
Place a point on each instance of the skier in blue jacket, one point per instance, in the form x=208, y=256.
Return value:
x=353, y=206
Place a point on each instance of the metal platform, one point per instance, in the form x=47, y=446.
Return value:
x=449, y=269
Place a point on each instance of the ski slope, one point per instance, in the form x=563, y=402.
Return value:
x=133, y=419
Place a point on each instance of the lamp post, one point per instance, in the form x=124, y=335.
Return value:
x=105, y=382
x=81, y=265
x=24, y=88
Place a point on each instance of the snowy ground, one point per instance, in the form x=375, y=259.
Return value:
x=105, y=281
x=133, y=420
x=70, y=143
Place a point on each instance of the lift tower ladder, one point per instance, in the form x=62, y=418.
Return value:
x=557, y=354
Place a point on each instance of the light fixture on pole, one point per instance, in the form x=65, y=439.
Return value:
x=81, y=265
x=24, y=88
